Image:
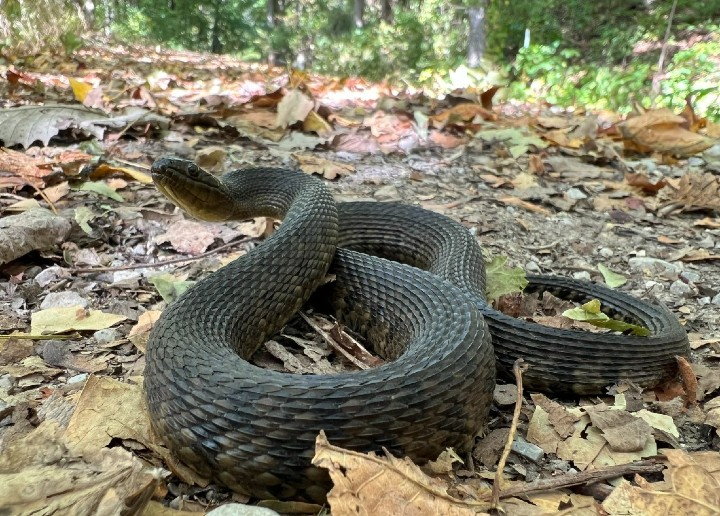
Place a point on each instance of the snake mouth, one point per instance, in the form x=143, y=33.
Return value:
x=193, y=189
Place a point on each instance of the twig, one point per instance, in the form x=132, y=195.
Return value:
x=663, y=53
x=337, y=347
x=160, y=264
x=519, y=367
x=584, y=477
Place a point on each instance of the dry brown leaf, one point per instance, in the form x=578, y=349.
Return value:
x=623, y=431
x=312, y=164
x=41, y=476
x=662, y=131
x=317, y=124
x=294, y=107
x=365, y=484
x=109, y=409
x=461, y=114
x=562, y=421
x=514, y=201
x=694, y=192
x=188, y=236
x=691, y=487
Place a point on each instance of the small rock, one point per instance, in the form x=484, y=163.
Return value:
x=78, y=378
x=654, y=286
x=238, y=509
x=559, y=465
x=706, y=243
x=682, y=289
x=689, y=276
x=575, y=194
x=648, y=164
x=695, y=161
x=582, y=275
x=527, y=450
x=703, y=301
x=59, y=299
x=505, y=395
x=606, y=252
x=387, y=193
x=665, y=170
x=6, y=381
x=655, y=265
x=50, y=274
x=105, y=336
x=532, y=267
x=716, y=300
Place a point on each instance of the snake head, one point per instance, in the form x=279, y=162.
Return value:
x=193, y=189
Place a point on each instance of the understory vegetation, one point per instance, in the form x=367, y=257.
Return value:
x=613, y=54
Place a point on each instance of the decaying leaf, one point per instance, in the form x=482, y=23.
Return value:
x=662, y=131
x=67, y=318
x=365, y=484
x=691, y=486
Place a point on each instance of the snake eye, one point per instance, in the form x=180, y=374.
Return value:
x=193, y=171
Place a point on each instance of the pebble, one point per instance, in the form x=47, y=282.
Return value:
x=654, y=265
x=694, y=161
x=582, y=275
x=682, y=289
x=716, y=300
x=527, y=450
x=505, y=395
x=238, y=509
x=49, y=275
x=606, y=252
x=706, y=243
x=690, y=276
x=387, y=193
x=60, y=299
x=532, y=267
x=576, y=194
x=78, y=378
x=105, y=336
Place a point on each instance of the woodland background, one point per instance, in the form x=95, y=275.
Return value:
x=610, y=54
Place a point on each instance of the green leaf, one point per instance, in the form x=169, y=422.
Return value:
x=83, y=215
x=612, y=279
x=169, y=287
x=502, y=279
x=101, y=188
x=591, y=313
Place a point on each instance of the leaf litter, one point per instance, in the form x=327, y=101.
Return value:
x=544, y=190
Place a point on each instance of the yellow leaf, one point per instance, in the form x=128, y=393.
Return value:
x=66, y=318
x=80, y=89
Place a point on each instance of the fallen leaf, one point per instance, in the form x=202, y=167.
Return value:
x=365, y=484
x=67, y=318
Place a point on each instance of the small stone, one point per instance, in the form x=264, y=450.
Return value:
x=690, y=276
x=78, y=378
x=238, y=509
x=716, y=300
x=648, y=164
x=665, y=170
x=706, y=243
x=532, y=267
x=582, y=275
x=695, y=161
x=105, y=336
x=606, y=252
x=387, y=193
x=63, y=299
x=527, y=450
x=505, y=395
x=575, y=194
x=682, y=289
x=655, y=265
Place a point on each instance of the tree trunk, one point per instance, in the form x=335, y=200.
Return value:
x=216, y=44
x=477, y=34
x=386, y=13
x=358, y=13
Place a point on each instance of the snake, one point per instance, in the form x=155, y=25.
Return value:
x=410, y=281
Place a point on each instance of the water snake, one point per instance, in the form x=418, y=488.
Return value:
x=254, y=430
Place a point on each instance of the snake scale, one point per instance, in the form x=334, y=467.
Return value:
x=253, y=429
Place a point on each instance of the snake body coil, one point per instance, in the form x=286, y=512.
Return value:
x=254, y=430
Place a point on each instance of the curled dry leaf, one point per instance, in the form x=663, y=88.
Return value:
x=366, y=484
x=691, y=486
x=662, y=131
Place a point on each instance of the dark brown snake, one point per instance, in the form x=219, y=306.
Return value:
x=254, y=429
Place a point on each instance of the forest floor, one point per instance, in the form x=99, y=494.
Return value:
x=91, y=253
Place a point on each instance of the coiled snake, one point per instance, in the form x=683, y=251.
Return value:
x=254, y=429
